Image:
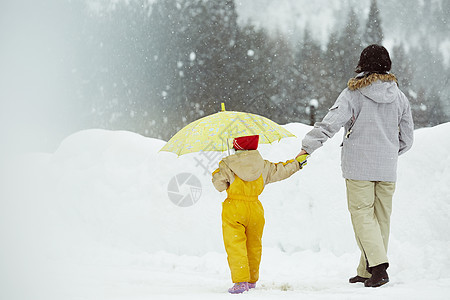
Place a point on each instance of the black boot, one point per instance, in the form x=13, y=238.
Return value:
x=357, y=278
x=379, y=276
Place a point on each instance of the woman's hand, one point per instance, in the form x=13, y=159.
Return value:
x=301, y=153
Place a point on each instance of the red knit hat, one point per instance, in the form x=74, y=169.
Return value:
x=249, y=142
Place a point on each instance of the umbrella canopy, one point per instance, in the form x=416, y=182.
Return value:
x=217, y=131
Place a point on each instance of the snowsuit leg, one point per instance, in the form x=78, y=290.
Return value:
x=254, y=239
x=242, y=232
x=370, y=206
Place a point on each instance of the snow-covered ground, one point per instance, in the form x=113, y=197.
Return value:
x=94, y=220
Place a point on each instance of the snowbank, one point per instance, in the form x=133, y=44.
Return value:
x=94, y=220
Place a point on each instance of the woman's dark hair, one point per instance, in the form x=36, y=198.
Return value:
x=374, y=59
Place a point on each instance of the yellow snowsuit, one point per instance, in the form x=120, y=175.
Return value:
x=244, y=175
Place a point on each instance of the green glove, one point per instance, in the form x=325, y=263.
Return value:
x=302, y=160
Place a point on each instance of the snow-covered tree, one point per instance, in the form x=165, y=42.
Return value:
x=309, y=60
x=333, y=84
x=373, y=32
x=154, y=66
x=349, y=48
x=402, y=68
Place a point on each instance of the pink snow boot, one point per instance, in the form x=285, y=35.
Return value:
x=251, y=285
x=238, y=287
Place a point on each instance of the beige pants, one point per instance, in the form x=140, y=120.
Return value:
x=370, y=206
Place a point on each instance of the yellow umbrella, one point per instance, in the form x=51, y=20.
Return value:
x=217, y=131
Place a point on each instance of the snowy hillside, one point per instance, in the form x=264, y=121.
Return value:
x=94, y=220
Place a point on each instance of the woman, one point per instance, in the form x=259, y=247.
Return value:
x=379, y=127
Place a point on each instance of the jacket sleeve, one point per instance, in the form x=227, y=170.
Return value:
x=222, y=177
x=338, y=115
x=278, y=171
x=406, y=130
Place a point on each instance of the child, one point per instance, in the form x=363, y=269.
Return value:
x=243, y=175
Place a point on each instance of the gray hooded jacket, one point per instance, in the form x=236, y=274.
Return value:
x=378, y=126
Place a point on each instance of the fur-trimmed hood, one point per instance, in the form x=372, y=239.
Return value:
x=381, y=88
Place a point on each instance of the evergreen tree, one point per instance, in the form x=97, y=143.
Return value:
x=192, y=45
x=250, y=68
x=436, y=114
x=430, y=73
x=419, y=108
x=349, y=48
x=443, y=18
x=208, y=35
x=217, y=38
x=373, y=33
x=332, y=85
x=402, y=68
x=310, y=65
x=153, y=67
x=165, y=54
x=279, y=85
x=446, y=95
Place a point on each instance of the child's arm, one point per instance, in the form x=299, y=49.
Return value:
x=222, y=177
x=278, y=171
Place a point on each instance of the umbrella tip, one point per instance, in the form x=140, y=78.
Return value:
x=223, y=106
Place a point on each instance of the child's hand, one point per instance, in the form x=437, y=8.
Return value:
x=302, y=160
